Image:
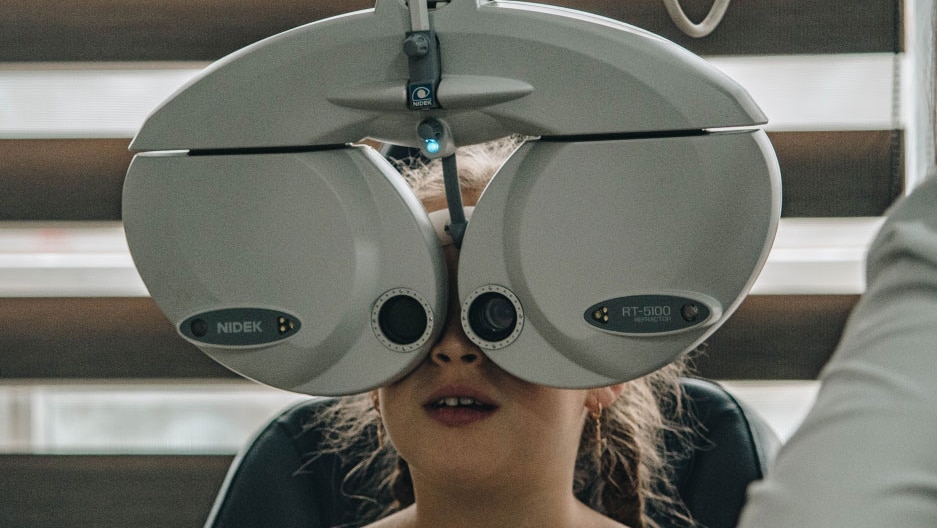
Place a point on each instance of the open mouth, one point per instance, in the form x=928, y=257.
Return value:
x=457, y=411
x=461, y=402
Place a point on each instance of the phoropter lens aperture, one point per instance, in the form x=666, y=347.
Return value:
x=402, y=319
x=492, y=316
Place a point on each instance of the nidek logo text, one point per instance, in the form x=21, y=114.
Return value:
x=421, y=95
x=239, y=327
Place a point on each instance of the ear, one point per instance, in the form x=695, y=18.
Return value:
x=603, y=396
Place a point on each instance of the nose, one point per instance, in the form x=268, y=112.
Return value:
x=443, y=356
x=455, y=347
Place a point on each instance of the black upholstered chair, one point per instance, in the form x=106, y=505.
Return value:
x=264, y=486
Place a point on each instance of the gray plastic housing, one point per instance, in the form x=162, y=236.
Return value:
x=245, y=196
x=565, y=226
x=507, y=68
x=319, y=235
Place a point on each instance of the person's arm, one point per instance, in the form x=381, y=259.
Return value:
x=866, y=455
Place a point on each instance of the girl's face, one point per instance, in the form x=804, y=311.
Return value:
x=459, y=418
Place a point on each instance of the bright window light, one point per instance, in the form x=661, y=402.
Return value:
x=158, y=418
x=818, y=256
x=66, y=260
x=819, y=92
x=80, y=101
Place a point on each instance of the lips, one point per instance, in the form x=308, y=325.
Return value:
x=459, y=406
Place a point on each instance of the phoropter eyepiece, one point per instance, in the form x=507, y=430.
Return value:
x=492, y=317
x=402, y=320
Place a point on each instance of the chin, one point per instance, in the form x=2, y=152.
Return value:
x=458, y=457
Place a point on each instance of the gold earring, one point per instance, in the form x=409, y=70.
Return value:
x=380, y=421
x=596, y=416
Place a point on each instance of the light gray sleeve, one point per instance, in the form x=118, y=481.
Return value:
x=866, y=454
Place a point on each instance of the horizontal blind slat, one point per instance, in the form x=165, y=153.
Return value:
x=824, y=174
x=148, y=30
x=769, y=337
x=100, y=30
x=96, y=338
x=777, y=337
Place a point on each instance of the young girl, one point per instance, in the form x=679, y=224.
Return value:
x=465, y=444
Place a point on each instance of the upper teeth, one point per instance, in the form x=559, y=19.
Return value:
x=455, y=402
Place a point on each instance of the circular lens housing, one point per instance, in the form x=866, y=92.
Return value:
x=402, y=320
x=492, y=317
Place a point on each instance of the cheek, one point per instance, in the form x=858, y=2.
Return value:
x=401, y=416
x=554, y=410
x=393, y=408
